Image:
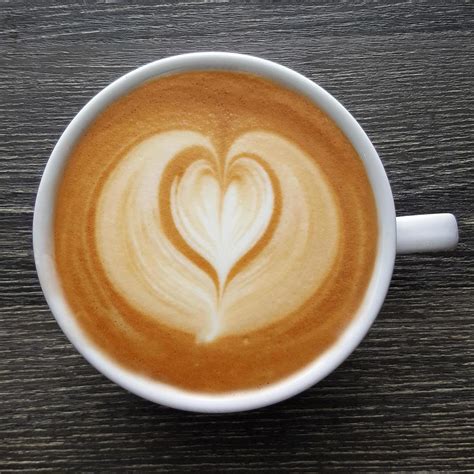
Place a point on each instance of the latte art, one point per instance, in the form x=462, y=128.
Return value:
x=214, y=231
x=204, y=241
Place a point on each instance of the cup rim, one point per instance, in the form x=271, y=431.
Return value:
x=168, y=395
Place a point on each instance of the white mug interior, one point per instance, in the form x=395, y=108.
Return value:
x=232, y=401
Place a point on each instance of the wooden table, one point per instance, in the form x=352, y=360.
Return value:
x=404, y=399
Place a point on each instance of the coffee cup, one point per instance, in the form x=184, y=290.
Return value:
x=407, y=234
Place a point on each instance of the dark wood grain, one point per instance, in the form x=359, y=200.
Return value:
x=404, y=400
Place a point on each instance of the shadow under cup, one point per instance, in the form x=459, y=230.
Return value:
x=165, y=393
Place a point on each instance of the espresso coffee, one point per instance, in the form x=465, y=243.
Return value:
x=214, y=231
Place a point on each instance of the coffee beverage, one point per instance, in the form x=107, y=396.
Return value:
x=214, y=231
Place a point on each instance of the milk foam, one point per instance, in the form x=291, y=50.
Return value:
x=238, y=251
x=223, y=232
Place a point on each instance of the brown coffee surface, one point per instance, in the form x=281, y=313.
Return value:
x=214, y=231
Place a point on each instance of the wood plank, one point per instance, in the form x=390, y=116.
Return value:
x=404, y=399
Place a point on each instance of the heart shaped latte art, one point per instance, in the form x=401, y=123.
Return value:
x=216, y=245
x=222, y=219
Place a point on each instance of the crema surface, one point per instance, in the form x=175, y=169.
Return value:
x=214, y=231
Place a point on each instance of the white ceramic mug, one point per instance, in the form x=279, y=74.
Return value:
x=432, y=232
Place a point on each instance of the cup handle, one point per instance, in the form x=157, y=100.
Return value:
x=426, y=233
